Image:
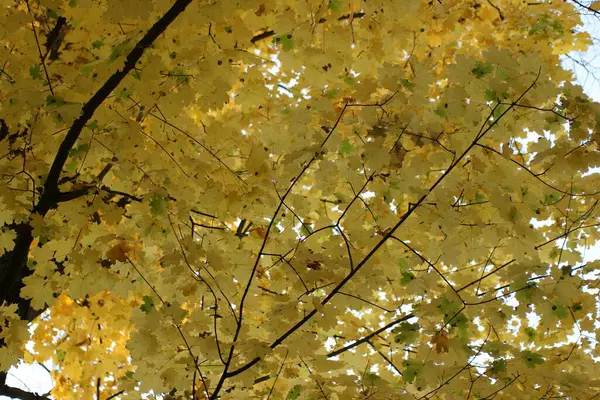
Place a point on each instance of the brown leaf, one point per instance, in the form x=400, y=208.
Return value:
x=441, y=342
x=259, y=232
x=260, y=11
x=118, y=252
x=314, y=265
x=398, y=156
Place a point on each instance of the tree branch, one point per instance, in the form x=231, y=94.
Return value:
x=480, y=134
x=369, y=336
x=48, y=199
x=16, y=393
x=13, y=264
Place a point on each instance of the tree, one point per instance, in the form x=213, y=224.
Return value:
x=298, y=200
x=585, y=64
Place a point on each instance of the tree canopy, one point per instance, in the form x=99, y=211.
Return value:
x=300, y=199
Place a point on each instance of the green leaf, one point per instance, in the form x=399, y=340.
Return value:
x=407, y=278
x=350, y=80
x=411, y=371
x=79, y=150
x=55, y=101
x=525, y=294
x=125, y=93
x=403, y=264
x=499, y=366
x=460, y=321
x=502, y=315
x=60, y=355
x=294, y=393
x=479, y=197
x=36, y=71
x=532, y=359
x=339, y=196
x=346, y=148
x=490, y=95
x=181, y=75
x=119, y=49
x=305, y=229
x=514, y=214
x=554, y=25
x=158, y=205
x=550, y=198
x=440, y=111
x=406, y=332
x=450, y=310
x=285, y=41
x=85, y=70
x=407, y=84
x=388, y=197
x=498, y=111
x=97, y=44
x=566, y=270
x=72, y=166
x=148, y=304
x=331, y=93
x=482, y=69
x=530, y=332
x=371, y=378
x=335, y=5
x=560, y=311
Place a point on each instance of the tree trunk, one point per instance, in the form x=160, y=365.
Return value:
x=13, y=268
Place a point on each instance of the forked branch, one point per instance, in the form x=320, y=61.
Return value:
x=482, y=132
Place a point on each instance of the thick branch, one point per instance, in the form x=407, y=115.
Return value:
x=48, y=198
x=15, y=393
x=13, y=264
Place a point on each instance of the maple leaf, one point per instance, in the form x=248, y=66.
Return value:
x=148, y=304
x=441, y=342
x=119, y=252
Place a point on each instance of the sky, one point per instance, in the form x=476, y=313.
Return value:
x=586, y=67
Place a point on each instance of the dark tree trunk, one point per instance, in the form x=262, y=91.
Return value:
x=13, y=268
x=13, y=264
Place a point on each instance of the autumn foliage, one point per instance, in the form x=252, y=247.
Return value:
x=300, y=199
